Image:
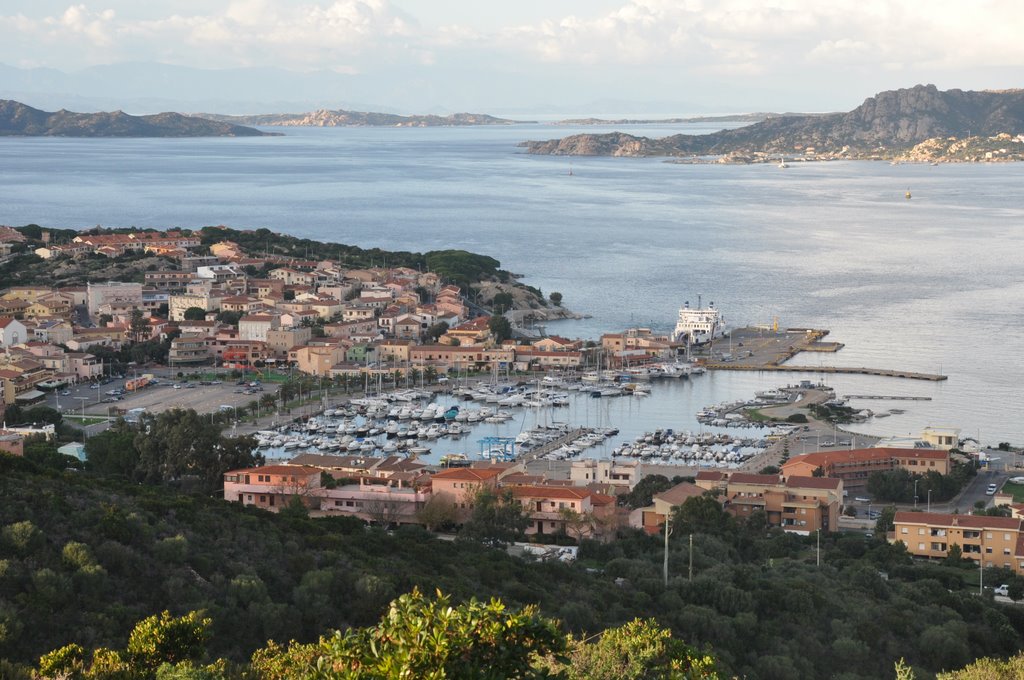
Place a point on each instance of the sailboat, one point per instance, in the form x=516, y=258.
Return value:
x=570, y=171
x=782, y=162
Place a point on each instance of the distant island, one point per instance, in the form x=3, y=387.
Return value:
x=342, y=118
x=21, y=120
x=756, y=117
x=919, y=124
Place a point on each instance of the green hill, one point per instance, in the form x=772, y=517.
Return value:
x=82, y=559
x=17, y=119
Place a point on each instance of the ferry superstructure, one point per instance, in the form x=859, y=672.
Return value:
x=699, y=326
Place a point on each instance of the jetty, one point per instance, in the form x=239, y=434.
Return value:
x=787, y=368
x=550, y=446
x=885, y=397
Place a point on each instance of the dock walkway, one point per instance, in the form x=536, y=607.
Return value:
x=891, y=373
x=566, y=438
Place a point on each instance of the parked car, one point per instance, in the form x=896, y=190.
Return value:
x=1003, y=590
x=991, y=490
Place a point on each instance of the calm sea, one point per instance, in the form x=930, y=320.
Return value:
x=930, y=284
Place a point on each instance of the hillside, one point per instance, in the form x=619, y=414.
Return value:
x=17, y=119
x=883, y=126
x=341, y=118
x=82, y=559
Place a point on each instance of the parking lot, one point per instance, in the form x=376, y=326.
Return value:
x=204, y=398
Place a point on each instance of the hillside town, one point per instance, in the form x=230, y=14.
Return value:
x=221, y=308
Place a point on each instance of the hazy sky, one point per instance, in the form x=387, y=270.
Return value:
x=807, y=54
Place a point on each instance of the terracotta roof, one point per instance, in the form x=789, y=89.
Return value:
x=949, y=520
x=820, y=458
x=278, y=470
x=329, y=461
x=678, y=494
x=710, y=476
x=749, y=478
x=573, y=493
x=521, y=479
x=468, y=474
x=799, y=482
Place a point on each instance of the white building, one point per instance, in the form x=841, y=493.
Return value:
x=113, y=297
x=12, y=332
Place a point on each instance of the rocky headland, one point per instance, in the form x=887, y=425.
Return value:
x=886, y=126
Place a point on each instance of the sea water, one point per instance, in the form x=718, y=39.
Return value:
x=931, y=284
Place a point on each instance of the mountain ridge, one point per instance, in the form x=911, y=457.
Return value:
x=884, y=125
x=17, y=119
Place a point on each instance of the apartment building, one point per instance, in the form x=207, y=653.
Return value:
x=995, y=541
x=856, y=465
x=798, y=504
x=113, y=297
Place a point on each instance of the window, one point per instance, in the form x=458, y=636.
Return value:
x=920, y=532
x=903, y=530
x=988, y=551
x=988, y=534
x=1006, y=551
x=920, y=546
x=1006, y=537
x=263, y=499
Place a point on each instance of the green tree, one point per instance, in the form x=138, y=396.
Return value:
x=500, y=328
x=138, y=326
x=642, y=494
x=886, y=520
x=436, y=330
x=230, y=318
x=425, y=638
x=113, y=452
x=556, y=298
x=497, y=517
x=437, y=512
x=502, y=302
x=702, y=514
x=639, y=650
x=195, y=314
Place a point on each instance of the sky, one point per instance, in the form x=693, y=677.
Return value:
x=708, y=55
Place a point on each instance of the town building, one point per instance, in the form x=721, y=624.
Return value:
x=113, y=297
x=798, y=504
x=854, y=466
x=993, y=541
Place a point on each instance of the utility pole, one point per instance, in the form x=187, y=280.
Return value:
x=818, y=557
x=691, y=558
x=668, y=531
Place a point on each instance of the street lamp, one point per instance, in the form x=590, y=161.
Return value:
x=929, y=500
x=915, y=493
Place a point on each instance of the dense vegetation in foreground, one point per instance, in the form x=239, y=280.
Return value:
x=83, y=559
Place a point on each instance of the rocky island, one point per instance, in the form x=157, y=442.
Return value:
x=920, y=123
x=342, y=118
x=20, y=120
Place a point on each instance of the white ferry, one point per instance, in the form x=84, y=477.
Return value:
x=698, y=326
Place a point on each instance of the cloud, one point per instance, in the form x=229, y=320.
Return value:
x=267, y=32
x=731, y=42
